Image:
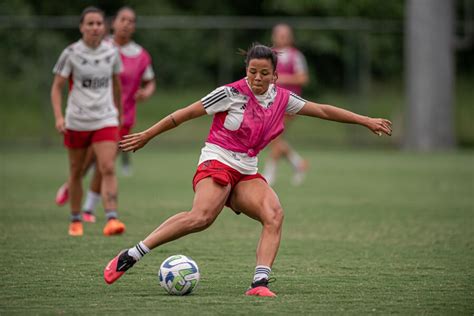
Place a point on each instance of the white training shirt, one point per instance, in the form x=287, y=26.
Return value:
x=223, y=99
x=90, y=104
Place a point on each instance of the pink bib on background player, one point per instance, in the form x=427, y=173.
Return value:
x=131, y=78
x=259, y=125
x=288, y=68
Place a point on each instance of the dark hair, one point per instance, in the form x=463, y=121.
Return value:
x=125, y=8
x=259, y=51
x=91, y=10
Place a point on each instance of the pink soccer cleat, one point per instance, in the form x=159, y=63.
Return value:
x=118, y=266
x=62, y=196
x=260, y=291
x=260, y=288
x=88, y=217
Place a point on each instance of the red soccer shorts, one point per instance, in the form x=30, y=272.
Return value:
x=83, y=139
x=222, y=174
x=124, y=130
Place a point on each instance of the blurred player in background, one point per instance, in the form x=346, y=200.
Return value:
x=292, y=72
x=137, y=77
x=138, y=84
x=248, y=114
x=93, y=114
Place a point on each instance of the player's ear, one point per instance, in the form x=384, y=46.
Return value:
x=275, y=76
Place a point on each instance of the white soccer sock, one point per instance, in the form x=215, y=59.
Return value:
x=92, y=199
x=295, y=159
x=261, y=272
x=269, y=172
x=138, y=251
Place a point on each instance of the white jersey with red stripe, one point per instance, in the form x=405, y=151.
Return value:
x=90, y=104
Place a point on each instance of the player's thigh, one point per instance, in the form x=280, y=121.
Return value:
x=76, y=158
x=210, y=197
x=256, y=199
x=89, y=159
x=105, y=153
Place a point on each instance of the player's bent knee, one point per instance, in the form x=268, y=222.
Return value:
x=274, y=217
x=278, y=215
x=199, y=222
x=107, y=169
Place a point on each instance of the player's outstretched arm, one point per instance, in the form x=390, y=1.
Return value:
x=133, y=142
x=332, y=113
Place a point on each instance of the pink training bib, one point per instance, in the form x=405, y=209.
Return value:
x=131, y=78
x=259, y=126
x=288, y=68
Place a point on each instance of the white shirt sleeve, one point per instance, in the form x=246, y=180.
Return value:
x=301, y=66
x=295, y=103
x=217, y=101
x=117, y=66
x=63, y=65
x=148, y=74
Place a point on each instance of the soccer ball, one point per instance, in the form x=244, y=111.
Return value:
x=179, y=275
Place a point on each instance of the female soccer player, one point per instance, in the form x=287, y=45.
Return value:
x=137, y=77
x=248, y=114
x=92, y=114
x=292, y=75
x=138, y=84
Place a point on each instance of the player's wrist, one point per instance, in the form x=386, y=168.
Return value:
x=148, y=134
x=365, y=121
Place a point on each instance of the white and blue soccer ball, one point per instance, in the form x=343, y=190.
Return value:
x=179, y=275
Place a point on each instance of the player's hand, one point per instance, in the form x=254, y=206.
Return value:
x=380, y=126
x=61, y=125
x=133, y=142
x=141, y=95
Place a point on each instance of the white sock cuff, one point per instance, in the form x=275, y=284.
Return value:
x=263, y=268
x=92, y=199
x=261, y=272
x=138, y=251
x=143, y=247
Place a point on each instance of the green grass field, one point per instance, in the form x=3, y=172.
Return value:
x=368, y=232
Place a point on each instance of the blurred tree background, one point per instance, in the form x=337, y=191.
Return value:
x=21, y=47
x=184, y=56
